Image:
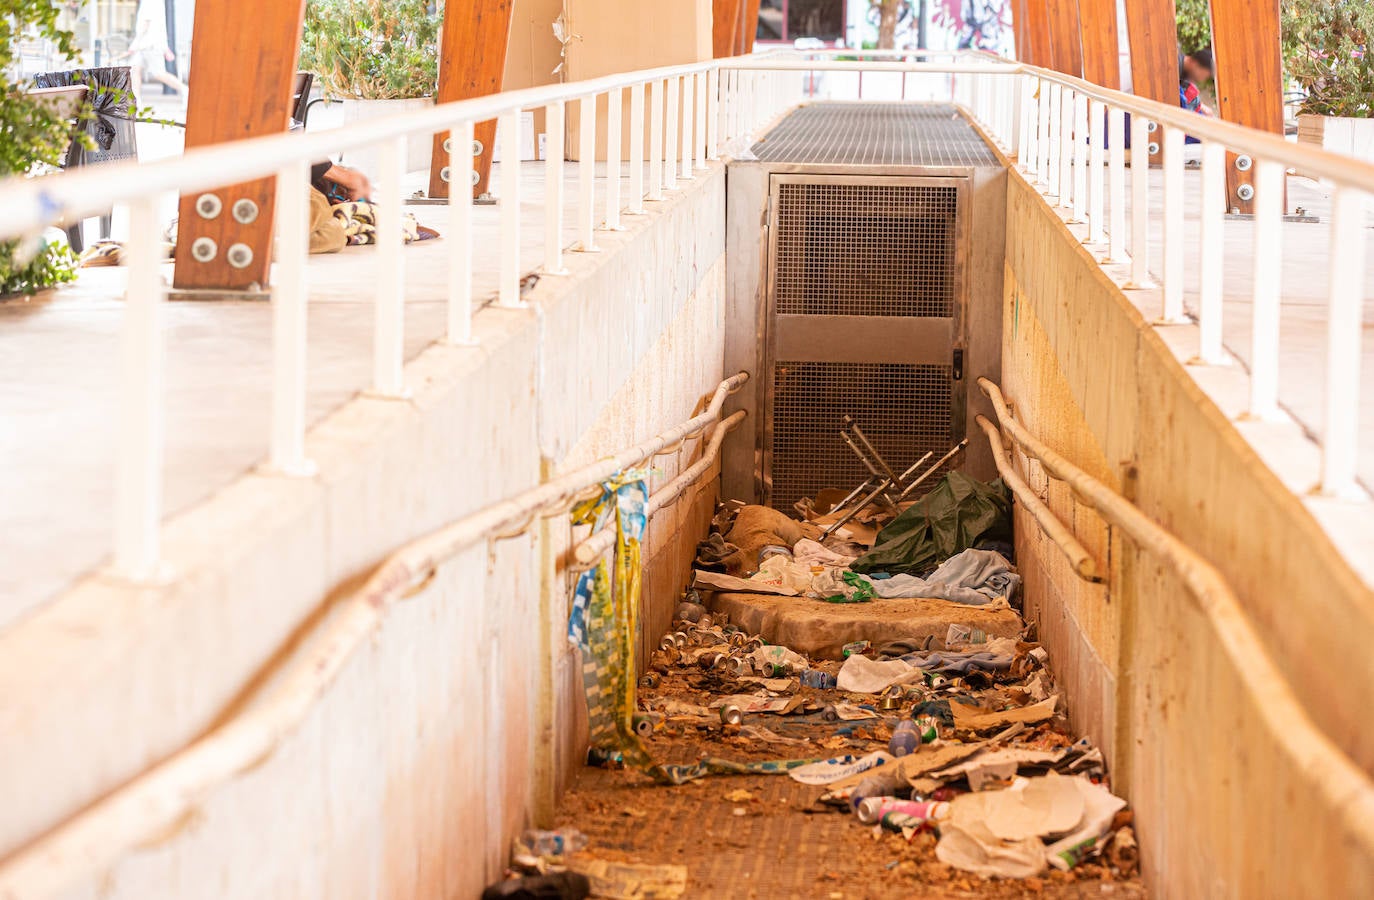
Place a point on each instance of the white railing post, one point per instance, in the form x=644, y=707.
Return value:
x=586, y=174
x=1023, y=110
x=636, y=149
x=1045, y=141
x=554, y=142
x=1080, y=158
x=1173, y=227
x=461, y=168
x=688, y=117
x=388, y=339
x=1140, y=204
x=1116, y=140
x=1066, y=149
x=615, y=99
x=1344, y=338
x=509, y=295
x=701, y=143
x=713, y=114
x=1052, y=168
x=656, y=140
x=670, y=136
x=1268, y=263
x=1097, y=224
x=290, y=294
x=1212, y=210
x=142, y=404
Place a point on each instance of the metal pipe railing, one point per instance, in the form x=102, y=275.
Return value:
x=156, y=802
x=1346, y=788
x=590, y=550
x=1082, y=563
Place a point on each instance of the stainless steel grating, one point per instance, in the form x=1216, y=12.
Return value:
x=865, y=249
x=875, y=134
x=903, y=409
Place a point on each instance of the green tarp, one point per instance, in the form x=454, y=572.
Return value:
x=956, y=514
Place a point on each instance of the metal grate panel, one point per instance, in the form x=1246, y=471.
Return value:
x=904, y=410
x=875, y=134
x=865, y=249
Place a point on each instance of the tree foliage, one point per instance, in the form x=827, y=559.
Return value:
x=373, y=49
x=35, y=136
x=1194, y=25
x=1326, y=51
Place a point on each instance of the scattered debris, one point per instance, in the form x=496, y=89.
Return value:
x=948, y=754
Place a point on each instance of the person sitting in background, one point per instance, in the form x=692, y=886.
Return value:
x=1194, y=74
x=342, y=213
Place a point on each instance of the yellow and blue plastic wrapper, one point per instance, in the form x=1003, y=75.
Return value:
x=603, y=625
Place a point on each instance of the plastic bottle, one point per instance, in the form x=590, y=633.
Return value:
x=905, y=739
x=554, y=843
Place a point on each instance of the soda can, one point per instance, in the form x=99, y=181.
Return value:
x=870, y=809
x=644, y=725
x=935, y=679
x=815, y=678
x=667, y=643
x=649, y=680
x=730, y=714
x=927, y=729
x=906, y=814
x=605, y=759
x=711, y=660
x=859, y=647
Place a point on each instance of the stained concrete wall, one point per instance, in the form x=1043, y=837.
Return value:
x=1222, y=807
x=453, y=727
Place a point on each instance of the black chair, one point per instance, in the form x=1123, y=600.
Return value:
x=109, y=93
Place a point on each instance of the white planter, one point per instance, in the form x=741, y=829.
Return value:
x=419, y=147
x=1339, y=134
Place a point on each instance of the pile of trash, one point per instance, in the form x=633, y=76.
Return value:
x=965, y=740
x=956, y=746
x=952, y=544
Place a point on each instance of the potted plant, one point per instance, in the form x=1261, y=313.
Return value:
x=36, y=137
x=376, y=57
x=1327, y=54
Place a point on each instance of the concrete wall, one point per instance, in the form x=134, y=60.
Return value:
x=453, y=727
x=1222, y=809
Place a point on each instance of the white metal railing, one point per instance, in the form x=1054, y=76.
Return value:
x=1051, y=124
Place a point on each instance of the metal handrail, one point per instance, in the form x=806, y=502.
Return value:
x=158, y=800
x=1084, y=566
x=587, y=552
x=1347, y=789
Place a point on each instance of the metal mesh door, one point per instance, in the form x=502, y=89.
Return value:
x=865, y=250
x=865, y=303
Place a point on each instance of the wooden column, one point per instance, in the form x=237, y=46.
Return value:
x=726, y=18
x=1249, y=76
x=1039, y=38
x=1153, y=37
x=243, y=71
x=1097, y=26
x=1068, y=46
x=749, y=29
x=472, y=59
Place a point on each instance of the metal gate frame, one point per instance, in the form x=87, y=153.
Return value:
x=812, y=338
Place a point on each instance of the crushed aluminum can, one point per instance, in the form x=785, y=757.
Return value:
x=711, y=660
x=928, y=729
x=649, y=680
x=935, y=679
x=730, y=714
x=740, y=667
x=891, y=702
x=859, y=647
x=815, y=678
x=680, y=639
x=605, y=759
x=667, y=643
x=645, y=723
